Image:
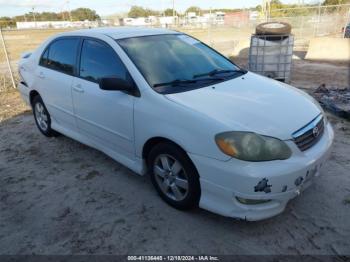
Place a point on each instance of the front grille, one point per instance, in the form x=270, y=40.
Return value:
x=310, y=134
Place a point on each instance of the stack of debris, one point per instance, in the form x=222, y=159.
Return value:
x=334, y=99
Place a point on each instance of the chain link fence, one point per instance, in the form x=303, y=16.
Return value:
x=235, y=31
x=308, y=22
x=230, y=35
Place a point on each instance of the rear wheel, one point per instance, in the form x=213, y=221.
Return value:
x=174, y=176
x=42, y=117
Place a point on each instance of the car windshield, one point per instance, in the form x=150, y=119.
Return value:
x=177, y=62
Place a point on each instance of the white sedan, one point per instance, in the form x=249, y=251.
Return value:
x=209, y=133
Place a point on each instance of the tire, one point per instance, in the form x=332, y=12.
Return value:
x=41, y=116
x=175, y=179
x=273, y=28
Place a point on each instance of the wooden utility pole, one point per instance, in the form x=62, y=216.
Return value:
x=266, y=9
x=33, y=8
x=174, y=20
x=173, y=8
x=69, y=13
x=7, y=59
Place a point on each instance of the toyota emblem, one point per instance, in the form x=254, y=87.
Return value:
x=315, y=131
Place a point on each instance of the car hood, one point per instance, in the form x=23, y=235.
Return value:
x=252, y=103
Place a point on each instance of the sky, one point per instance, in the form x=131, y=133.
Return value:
x=107, y=7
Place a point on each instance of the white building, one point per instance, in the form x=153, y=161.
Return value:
x=56, y=24
x=166, y=21
x=139, y=21
x=219, y=18
x=192, y=18
x=215, y=18
x=253, y=15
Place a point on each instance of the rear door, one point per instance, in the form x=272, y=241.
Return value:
x=55, y=73
x=104, y=117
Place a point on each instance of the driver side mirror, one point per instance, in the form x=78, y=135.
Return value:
x=118, y=84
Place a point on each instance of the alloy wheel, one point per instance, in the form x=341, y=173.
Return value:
x=171, y=177
x=41, y=116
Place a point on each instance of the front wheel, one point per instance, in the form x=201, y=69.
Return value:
x=174, y=176
x=42, y=117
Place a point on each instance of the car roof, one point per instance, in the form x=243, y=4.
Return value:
x=120, y=32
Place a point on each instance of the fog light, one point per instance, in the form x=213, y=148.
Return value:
x=252, y=201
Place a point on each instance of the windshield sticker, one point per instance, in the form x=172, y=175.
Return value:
x=188, y=40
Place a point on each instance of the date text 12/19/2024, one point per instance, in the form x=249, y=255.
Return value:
x=173, y=258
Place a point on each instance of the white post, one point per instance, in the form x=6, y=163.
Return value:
x=175, y=22
x=7, y=59
x=302, y=27
x=34, y=16
x=173, y=9
x=346, y=23
x=69, y=13
x=319, y=18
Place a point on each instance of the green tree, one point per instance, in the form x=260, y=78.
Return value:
x=194, y=9
x=48, y=16
x=336, y=2
x=6, y=22
x=81, y=14
x=65, y=15
x=31, y=16
x=139, y=11
x=169, y=12
x=276, y=4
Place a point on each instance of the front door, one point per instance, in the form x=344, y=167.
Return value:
x=104, y=117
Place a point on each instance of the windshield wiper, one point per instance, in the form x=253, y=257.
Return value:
x=220, y=71
x=177, y=82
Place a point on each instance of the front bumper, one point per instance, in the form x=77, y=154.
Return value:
x=223, y=181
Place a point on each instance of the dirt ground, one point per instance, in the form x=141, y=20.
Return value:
x=58, y=196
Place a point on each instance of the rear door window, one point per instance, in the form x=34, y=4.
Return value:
x=61, y=55
x=44, y=58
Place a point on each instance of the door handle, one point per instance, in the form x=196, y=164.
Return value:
x=41, y=75
x=78, y=88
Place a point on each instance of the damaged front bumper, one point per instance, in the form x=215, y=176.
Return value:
x=225, y=184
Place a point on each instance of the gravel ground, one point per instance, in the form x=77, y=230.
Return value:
x=58, y=196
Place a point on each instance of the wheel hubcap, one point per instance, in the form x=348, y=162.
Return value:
x=41, y=116
x=171, y=177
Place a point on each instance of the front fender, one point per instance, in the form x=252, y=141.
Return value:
x=156, y=116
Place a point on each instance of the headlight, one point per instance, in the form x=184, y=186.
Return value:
x=252, y=147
